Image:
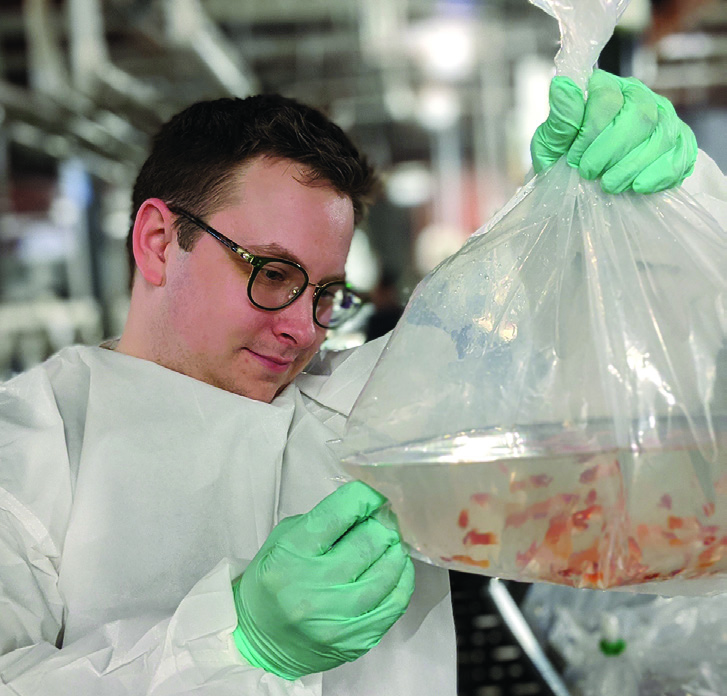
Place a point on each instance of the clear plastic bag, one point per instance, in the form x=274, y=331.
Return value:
x=551, y=406
x=674, y=646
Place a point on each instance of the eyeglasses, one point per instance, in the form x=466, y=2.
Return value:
x=276, y=283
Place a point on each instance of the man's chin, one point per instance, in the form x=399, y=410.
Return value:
x=257, y=390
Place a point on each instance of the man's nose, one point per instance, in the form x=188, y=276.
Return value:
x=296, y=320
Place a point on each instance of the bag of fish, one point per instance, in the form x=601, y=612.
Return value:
x=552, y=406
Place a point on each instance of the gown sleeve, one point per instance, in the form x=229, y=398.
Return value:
x=187, y=650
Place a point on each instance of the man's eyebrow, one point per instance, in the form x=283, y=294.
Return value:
x=272, y=249
x=280, y=252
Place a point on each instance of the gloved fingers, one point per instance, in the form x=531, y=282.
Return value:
x=632, y=126
x=366, y=629
x=285, y=527
x=672, y=167
x=622, y=174
x=605, y=100
x=350, y=637
x=374, y=584
x=554, y=136
x=373, y=626
x=394, y=602
x=318, y=530
x=359, y=549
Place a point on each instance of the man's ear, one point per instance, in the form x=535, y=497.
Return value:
x=153, y=233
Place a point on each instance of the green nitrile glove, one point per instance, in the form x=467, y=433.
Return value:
x=556, y=134
x=324, y=588
x=629, y=137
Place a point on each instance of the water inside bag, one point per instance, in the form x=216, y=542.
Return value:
x=547, y=506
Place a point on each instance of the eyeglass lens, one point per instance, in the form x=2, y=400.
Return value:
x=277, y=283
x=335, y=304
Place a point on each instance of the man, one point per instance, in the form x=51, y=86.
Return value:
x=172, y=520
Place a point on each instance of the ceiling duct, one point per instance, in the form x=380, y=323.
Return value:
x=189, y=27
x=63, y=120
x=92, y=70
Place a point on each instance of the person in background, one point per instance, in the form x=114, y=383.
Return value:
x=171, y=518
x=387, y=306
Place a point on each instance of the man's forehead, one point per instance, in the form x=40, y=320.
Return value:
x=283, y=167
x=272, y=229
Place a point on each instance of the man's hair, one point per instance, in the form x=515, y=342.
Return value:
x=196, y=157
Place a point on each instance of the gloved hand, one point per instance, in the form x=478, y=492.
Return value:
x=625, y=134
x=324, y=588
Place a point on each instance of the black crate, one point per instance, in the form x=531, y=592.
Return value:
x=490, y=658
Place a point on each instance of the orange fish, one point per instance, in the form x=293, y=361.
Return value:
x=471, y=561
x=581, y=517
x=464, y=519
x=475, y=538
x=675, y=522
x=634, y=550
x=558, y=538
x=480, y=498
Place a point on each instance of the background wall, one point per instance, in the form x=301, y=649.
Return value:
x=442, y=94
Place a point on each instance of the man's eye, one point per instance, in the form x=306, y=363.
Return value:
x=273, y=275
x=327, y=298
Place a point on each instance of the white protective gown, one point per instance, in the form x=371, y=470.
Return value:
x=131, y=496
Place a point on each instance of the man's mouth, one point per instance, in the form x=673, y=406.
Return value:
x=271, y=362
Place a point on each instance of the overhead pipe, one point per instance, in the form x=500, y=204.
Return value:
x=46, y=67
x=189, y=27
x=52, y=106
x=91, y=65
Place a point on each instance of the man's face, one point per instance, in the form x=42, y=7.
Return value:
x=214, y=333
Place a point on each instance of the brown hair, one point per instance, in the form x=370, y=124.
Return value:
x=197, y=153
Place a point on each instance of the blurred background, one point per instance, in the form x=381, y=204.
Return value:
x=443, y=95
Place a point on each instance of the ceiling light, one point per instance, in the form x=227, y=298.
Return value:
x=445, y=48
